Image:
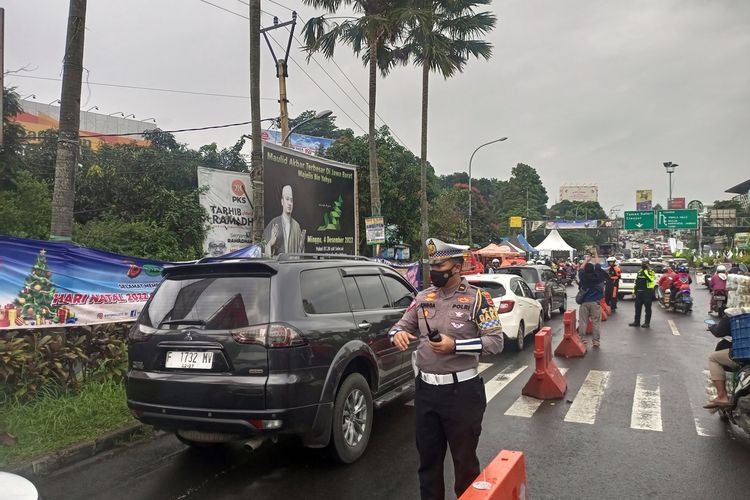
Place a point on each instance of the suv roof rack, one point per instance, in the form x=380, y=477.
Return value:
x=285, y=257
x=222, y=258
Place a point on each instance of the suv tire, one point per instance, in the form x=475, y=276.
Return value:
x=548, y=310
x=564, y=305
x=352, y=419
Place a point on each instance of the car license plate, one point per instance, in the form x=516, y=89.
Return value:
x=190, y=359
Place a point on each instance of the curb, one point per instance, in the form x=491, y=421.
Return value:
x=54, y=461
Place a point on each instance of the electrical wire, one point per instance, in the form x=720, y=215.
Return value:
x=153, y=89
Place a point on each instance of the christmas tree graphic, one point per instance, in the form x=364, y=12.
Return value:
x=332, y=219
x=34, y=301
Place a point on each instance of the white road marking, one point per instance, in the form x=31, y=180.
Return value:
x=526, y=406
x=704, y=419
x=480, y=368
x=673, y=327
x=589, y=398
x=646, y=413
x=501, y=380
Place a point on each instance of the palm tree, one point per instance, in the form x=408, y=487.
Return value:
x=440, y=38
x=374, y=35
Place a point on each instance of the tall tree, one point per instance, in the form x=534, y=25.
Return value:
x=374, y=35
x=440, y=40
x=70, y=110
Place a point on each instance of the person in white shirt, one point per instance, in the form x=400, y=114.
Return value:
x=283, y=234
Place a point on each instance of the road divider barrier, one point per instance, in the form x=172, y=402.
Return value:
x=503, y=479
x=546, y=382
x=571, y=345
x=605, y=310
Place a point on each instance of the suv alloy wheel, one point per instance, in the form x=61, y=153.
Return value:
x=352, y=419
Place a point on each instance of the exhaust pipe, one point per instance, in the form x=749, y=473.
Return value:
x=253, y=444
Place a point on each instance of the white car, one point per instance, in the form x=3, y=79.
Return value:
x=518, y=309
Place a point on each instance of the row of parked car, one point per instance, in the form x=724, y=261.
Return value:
x=248, y=349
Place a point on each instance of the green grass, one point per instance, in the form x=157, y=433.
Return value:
x=53, y=421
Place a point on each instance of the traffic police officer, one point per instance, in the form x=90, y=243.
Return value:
x=610, y=294
x=450, y=398
x=644, y=294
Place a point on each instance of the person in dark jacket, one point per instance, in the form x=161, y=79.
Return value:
x=644, y=294
x=591, y=281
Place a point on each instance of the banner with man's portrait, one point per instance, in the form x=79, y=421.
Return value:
x=227, y=198
x=309, y=203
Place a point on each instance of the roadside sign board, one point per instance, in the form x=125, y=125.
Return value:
x=638, y=219
x=695, y=205
x=375, y=230
x=516, y=221
x=677, y=219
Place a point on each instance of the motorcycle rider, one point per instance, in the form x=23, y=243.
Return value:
x=683, y=277
x=494, y=267
x=717, y=284
x=665, y=282
x=644, y=294
x=719, y=362
x=613, y=284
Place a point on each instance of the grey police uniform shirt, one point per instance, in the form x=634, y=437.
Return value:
x=467, y=315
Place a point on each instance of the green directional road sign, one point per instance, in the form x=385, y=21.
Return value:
x=638, y=219
x=677, y=219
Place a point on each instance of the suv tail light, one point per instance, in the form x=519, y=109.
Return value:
x=506, y=306
x=273, y=336
x=140, y=333
x=539, y=287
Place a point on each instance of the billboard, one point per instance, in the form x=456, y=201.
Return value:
x=53, y=283
x=644, y=199
x=227, y=198
x=310, y=204
x=676, y=203
x=37, y=119
x=579, y=192
x=308, y=144
x=375, y=229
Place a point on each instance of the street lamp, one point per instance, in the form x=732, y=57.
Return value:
x=129, y=116
x=321, y=114
x=30, y=96
x=53, y=102
x=149, y=120
x=116, y=113
x=93, y=107
x=470, y=160
x=670, y=167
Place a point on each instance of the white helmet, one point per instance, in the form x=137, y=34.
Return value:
x=496, y=261
x=721, y=268
x=611, y=259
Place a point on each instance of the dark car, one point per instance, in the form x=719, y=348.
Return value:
x=550, y=292
x=249, y=348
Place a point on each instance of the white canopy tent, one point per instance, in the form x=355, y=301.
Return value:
x=554, y=243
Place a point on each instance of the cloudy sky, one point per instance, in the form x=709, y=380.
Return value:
x=588, y=91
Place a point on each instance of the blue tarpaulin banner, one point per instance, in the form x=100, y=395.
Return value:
x=48, y=283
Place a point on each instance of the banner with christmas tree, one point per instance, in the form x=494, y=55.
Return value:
x=51, y=283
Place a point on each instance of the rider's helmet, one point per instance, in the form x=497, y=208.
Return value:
x=611, y=259
x=496, y=261
x=644, y=261
x=682, y=269
x=721, y=268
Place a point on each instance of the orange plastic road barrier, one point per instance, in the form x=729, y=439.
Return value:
x=503, y=479
x=605, y=314
x=546, y=382
x=606, y=307
x=571, y=345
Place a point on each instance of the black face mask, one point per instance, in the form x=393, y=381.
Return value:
x=440, y=278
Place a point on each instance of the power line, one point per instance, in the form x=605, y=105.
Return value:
x=153, y=89
x=298, y=67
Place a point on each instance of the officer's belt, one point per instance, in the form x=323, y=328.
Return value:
x=448, y=378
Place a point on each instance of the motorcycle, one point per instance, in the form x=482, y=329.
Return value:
x=719, y=302
x=738, y=389
x=680, y=299
x=565, y=277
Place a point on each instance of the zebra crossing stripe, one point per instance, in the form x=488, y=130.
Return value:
x=586, y=404
x=480, y=368
x=673, y=327
x=526, y=406
x=501, y=380
x=646, y=413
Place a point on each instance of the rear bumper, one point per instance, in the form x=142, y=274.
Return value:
x=510, y=326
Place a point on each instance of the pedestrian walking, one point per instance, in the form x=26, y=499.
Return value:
x=591, y=282
x=454, y=322
x=644, y=294
x=613, y=283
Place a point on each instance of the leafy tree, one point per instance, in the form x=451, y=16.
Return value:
x=448, y=220
x=374, y=34
x=140, y=238
x=322, y=127
x=522, y=195
x=11, y=153
x=25, y=207
x=440, y=40
x=577, y=210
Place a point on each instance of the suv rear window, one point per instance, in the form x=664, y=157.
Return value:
x=215, y=303
x=323, y=291
x=529, y=274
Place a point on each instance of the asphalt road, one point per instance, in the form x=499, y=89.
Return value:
x=631, y=426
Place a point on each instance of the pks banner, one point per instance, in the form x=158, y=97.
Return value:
x=227, y=198
x=48, y=283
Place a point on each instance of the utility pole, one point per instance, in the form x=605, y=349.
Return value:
x=282, y=72
x=2, y=72
x=256, y=156
x=68, y=145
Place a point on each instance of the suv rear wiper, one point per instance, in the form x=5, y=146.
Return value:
x=198, y=322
